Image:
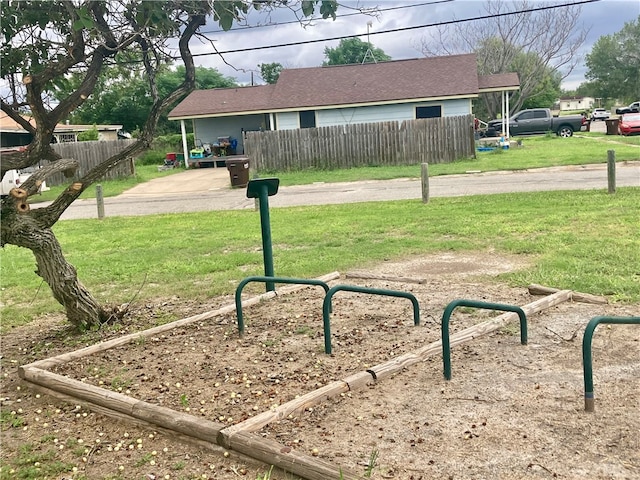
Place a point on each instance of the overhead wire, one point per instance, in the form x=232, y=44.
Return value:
x=371, y=11
x=395, y=30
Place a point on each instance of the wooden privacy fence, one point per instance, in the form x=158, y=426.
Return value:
x=90, y=154
x=431, y=140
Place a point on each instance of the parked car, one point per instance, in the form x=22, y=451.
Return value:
x=629, y=124
x=600, y=114
x=536, y=121
x=632, y=108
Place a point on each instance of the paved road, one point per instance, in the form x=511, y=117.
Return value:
x=209, y=189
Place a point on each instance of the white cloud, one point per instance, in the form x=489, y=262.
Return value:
x=601, y=18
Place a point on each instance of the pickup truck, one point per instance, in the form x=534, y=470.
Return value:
x=536, y=121
x=633, y=108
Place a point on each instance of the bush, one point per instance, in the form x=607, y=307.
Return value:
x=152, y=157
x=89, y=135
x=172, y=142
x=161, y=146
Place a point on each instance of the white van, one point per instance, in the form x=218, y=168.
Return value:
x=15, y=178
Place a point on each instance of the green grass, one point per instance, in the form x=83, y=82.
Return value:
x=588, y=241
x=536, y=152
x=33, y=462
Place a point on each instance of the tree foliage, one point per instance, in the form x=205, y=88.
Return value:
x=123, y=97
x=354, y=50
x=50, y=46
x=613, y=66
x=541, y=46
x=270, y=72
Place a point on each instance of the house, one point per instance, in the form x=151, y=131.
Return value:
x=576, y=103
x=341, y=95
x=13, y=135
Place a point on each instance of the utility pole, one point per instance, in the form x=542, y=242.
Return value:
x=369, y=51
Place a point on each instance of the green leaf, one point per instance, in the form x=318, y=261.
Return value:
x=328, y=9
x=307, y=8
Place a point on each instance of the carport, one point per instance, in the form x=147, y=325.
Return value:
x=506, y=84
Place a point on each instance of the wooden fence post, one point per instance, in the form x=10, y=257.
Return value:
x=100, y=201
x=425, y=182
x=611, y=170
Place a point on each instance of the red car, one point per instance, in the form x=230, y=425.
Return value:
x=629, y=124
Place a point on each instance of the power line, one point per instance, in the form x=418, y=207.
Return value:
x=394, y=30
x=362, y=12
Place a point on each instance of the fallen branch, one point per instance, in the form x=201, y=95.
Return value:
x=575, y=296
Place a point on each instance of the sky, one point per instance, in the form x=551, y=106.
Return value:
x=603, y=17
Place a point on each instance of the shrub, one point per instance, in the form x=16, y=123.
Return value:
x=151, y=157
x=89, y=135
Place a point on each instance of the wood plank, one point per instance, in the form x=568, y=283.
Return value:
x=129, y=420
x=197, y=427
x=288, y=459
x=535, y=289
x=358, y=380
x=281, y=412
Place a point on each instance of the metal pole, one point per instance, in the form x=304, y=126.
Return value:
x=100, y=201
x=185, y=148
x=265, y=224
x=611, y=171
x=587, y=360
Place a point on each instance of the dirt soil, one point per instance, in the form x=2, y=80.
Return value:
x=510, y=411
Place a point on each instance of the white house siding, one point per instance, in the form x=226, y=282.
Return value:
x=578, y=103
x=452, y=108
x=287, y=121
x=373, y=114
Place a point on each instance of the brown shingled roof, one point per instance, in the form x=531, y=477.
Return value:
x=221, y=101
x=377, y=82
x=499, y=81
x=341, y=85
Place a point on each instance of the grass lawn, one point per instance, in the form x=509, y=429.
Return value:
x=588, y=241
x=536, y=152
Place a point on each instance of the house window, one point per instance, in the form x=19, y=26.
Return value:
x=66, y=137
x=429, y=112
x=308, y=119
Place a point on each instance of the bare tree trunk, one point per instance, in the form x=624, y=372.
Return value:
x=81, y=308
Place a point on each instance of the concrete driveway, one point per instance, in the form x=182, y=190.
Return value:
x=193, y=180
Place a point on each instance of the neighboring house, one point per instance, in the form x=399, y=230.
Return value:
x=69, y=133
x=576, y=103
x=13, y=135
x=341, y=95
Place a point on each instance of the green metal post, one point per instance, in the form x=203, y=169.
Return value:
x=587, y=361
x=326, y=306
x=265, y=224
x=245, y=281
x=446, y=345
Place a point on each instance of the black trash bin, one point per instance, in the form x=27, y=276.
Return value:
x=238, y=171
x=612, y=126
